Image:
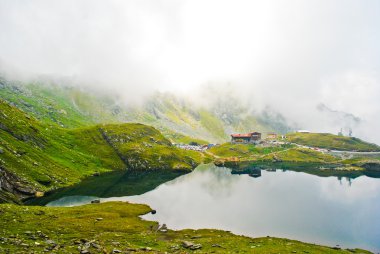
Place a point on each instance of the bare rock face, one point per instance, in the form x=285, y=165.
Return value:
x=13, y=184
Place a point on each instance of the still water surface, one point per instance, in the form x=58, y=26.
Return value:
x=295, y=205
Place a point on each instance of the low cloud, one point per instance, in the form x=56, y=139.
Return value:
x=291, y=56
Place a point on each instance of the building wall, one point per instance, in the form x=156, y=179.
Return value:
x=240, y=140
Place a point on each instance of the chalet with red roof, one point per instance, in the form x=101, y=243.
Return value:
x=253, y=137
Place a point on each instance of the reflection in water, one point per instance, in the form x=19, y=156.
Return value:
x=72, y=201
x=114, y=184
x=281, y=203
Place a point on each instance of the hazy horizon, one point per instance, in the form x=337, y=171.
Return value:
x=315, y=62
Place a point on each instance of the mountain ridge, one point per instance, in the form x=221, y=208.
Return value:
x=71, y=107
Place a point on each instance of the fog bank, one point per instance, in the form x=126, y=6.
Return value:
x=291, y=55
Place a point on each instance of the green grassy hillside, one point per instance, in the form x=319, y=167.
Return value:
x=330, y=141
x=283, y=153
x=178, y=138
x=244, y=150
x=115, y=227
x=235, y=155
x=71, y=107
x=36, y=156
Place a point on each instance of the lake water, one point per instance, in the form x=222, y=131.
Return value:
x=295, y=205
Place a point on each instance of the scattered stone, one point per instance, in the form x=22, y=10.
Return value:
x=1, y=151
x=96, y=201
x=28, y=232
x=32, y=237
x=51, y=242
x=196, y=246
x=99, y=219
x=187, y=244
x=86, y=246
x=85, y=251
x=146, y=249
x=35, y=163
x=96, y=246
x=37, y=243
x=174, y=247
x=191, y=245
x=42, y=235
x=115, y=243
x=196, y=236
x=163, y=228
x=153, y=212
x=116, y=251
x=219, y=246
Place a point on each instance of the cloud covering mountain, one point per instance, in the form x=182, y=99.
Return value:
x=289, y=55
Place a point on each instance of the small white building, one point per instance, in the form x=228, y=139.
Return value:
x=303, y=131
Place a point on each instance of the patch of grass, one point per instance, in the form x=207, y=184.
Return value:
x=300, y=155
x=116, y=225
x=245, y=150
x=333, y=142
x=179, y=138
x=212, y=124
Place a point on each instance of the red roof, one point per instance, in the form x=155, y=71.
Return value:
x=248, y=135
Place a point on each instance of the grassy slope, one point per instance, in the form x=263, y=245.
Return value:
x=300, y=155
x=179, y=138
x=53, y=105
x=291, y=153
x=72, y=108
x=330, y=141
x=45, y=157
x=244, y=150
x=284, y=153
x=28, y=229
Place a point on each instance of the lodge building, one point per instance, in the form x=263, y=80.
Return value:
x=253, y=137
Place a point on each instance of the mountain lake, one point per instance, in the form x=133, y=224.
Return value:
x=334, y=211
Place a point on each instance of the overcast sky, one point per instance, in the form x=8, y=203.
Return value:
x=291, y=55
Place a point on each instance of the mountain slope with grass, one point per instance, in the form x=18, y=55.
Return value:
x=333, y=142
x=38, y=157
x=281, y=153
x=72, y=107
x=285, y=155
